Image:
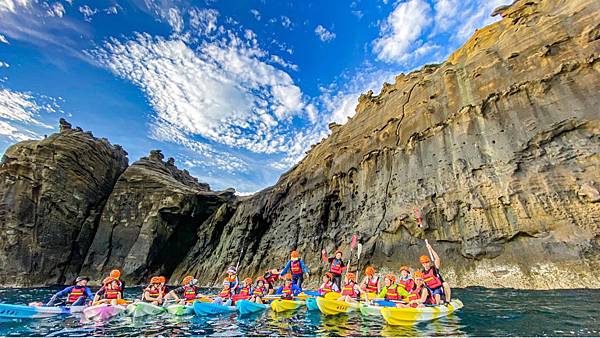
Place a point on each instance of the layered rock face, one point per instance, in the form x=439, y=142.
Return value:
x=150, y=220
x=498, y=147
x=51, y=194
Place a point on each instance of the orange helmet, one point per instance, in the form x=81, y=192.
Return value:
x=294, y=254
x=248, y=280
x=417, y=275
x=288, y=276
x=162, y=279
x=261, y=279
x=404, y=268
x=424, y=259
x=329, y=275
x=186, y=280
x=108, y=280
x=369, y=271
x=115, y=274
x=351, y=276
x=391, y=277
x=155, y=280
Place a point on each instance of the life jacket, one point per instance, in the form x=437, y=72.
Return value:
x=76, y=292
x=189, y=292
x=348, y=290
x=416, y=294
x=110, y=293
x=326, y=288
x=407, y=284
x=392, y=293
x=153, y=292
x=431, y=277
x=259, y=291
x=225, y=293
x=287, y=290
x=372, y=286
x=336, y=266
x=271, y=278
x=245, y=291
x=296, y=267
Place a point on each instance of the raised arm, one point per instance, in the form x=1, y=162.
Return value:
x=436, y=258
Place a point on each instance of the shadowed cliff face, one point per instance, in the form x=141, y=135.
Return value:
x=498, y=147
x=52, y=192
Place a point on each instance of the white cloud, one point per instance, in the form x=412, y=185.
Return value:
x=203, y=21
x=4, y=64
x=278, y=60
x=286, y=22
x=20, y=114
x=324, y=34
x=88, y=12
x=401, y=30
x=3, y=39
x=12, y=5
x=56, y=9
x=256, y=14
x=174, y=19
x=112, y=10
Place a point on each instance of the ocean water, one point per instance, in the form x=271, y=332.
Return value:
x=487, y=312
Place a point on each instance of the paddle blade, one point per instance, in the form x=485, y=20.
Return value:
x=358, y=250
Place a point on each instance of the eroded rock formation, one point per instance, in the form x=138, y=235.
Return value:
x=498, y=147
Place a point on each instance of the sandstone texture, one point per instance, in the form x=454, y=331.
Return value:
x=498, y=147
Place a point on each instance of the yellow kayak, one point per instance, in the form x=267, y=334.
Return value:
x=334, y=306
x=281, y=305
x=410, y=316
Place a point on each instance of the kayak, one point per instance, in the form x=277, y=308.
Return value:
x=142, y=309
x=281, y=305
x=410, y=316
x=335, y=307
x=247, y=307
x=311, y=304
x=370, y=310
x=102, y=312
x=25, y=311
x=180, y=310
x=202, y=308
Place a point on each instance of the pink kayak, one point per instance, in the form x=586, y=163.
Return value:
x=102, y=312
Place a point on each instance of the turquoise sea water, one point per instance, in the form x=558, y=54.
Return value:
x=487, y=312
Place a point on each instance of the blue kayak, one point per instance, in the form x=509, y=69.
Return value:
x=25, y=311
x=204, y=309
x=246, y=307
x=311, y=304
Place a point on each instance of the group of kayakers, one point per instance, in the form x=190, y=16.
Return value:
x=422, y=287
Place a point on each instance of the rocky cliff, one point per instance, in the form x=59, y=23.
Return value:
x=498, y=147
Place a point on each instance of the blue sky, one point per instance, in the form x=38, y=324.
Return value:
x=235, y=91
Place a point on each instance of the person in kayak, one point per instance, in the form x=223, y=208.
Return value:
x=419, y=296
x=116, y=274
x=328, y=285
x=405, y=280
x=296, y=266
x=336, y=266
x=109, y=293
x=232, y=279
x=392, y=291
x=153, y=293
x=288, y=290
x=440, y=290
x=187, y=292
x=259, y=291
x=370, y=283
x=245, y=288
x=163, y=284
x=351, y=290
x=77, y=295
x=271, y=277
x=224, y=297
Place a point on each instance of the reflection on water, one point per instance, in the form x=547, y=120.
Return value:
x=487, y=312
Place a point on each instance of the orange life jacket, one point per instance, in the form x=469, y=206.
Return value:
x=245, y=291
x=372, y=286
x=225, y=293
x=432, y=279
x=348, y=290
x=296, y=268
x=76, y=292
x=189, y=292
x=407, y=284
x=336, y=266
x=392, y=293
x=259, y=291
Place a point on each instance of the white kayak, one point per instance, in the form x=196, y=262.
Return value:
x=26, y=311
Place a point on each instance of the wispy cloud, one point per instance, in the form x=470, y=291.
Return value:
x=256, y=14
x=21, y=114
x=324, y=34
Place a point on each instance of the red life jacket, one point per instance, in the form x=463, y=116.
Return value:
x=432, y=279
x=76, y=292
x=296, y=268
x=407, y=284
x=154, y=292
x=110, y=293
x=287, y=290
x=271, y=279
x=189, y=292
x=259, y=291
x=326, y=288
x=372, y=286
x=336, y=266
x=416, y=294
x=245, y=291
x=348, y=290
x=392, y=293
x=225, y=293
